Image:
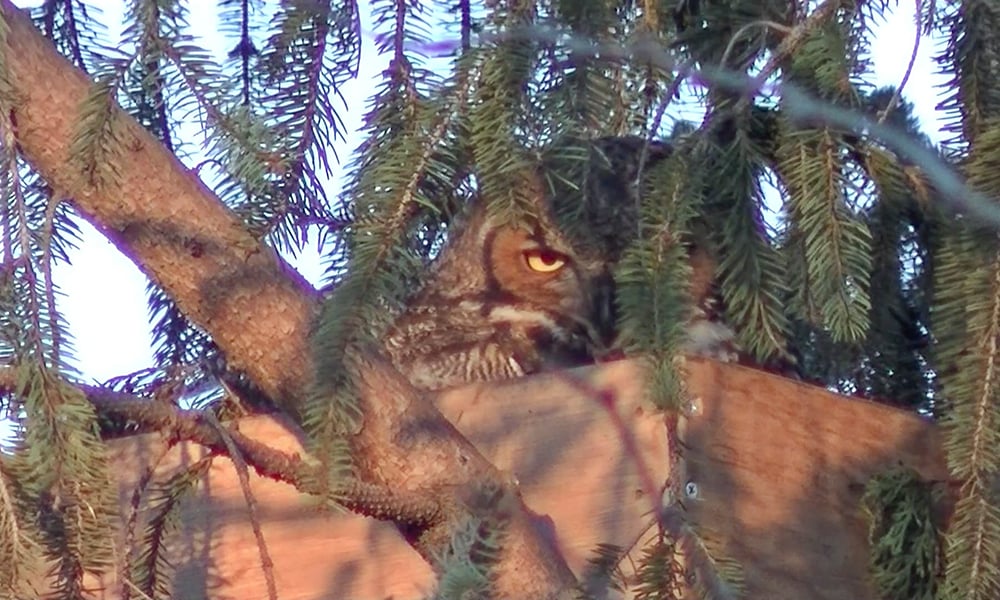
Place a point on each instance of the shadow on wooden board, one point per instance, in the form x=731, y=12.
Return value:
x=777, y=469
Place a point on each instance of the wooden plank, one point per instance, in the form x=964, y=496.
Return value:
x=778, y=467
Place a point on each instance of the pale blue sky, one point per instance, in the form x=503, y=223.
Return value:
x=104, y=292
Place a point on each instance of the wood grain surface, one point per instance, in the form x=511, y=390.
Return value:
x=776, y=470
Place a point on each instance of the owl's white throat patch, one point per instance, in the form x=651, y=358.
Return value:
x=522, y=315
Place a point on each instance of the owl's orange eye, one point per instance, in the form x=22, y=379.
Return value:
x=543, y=260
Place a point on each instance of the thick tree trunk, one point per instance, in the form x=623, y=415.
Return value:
x=256, y=308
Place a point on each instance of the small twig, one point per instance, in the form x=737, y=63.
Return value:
x=742, y=30
x=788, y=46
x=266, y=564
x=128, y=583
x=683, y=70
x=898, y=94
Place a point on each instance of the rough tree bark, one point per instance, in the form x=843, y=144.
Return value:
x=256, y=308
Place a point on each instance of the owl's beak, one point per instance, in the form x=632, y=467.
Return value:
x=604, y=314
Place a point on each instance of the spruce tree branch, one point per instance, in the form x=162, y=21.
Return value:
x=163, y=217
x=179, y=425
x=799, y=104
x=309, y=134
x=259, y=312
x=404, y=420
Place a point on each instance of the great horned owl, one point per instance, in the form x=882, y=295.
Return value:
x=610, y=205
x=604, y=192
x=505, y=300
x=502, y=300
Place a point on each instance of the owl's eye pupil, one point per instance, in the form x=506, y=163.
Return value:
x=544, y=260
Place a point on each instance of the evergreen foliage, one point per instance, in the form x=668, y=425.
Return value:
x=149, y=563
x=871, y=275
x=906, y=549
x=661, y=572
x=465, y=568
x=653, y=275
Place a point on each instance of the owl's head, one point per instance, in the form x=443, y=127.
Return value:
x=560, y=261
x=512, y=295
x=526, y=274
x=539, y=267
